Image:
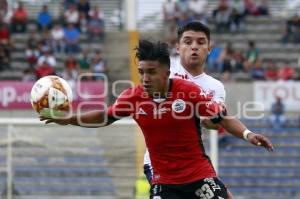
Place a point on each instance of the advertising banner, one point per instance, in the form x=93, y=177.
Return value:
x=266, y=93
x=87, y=95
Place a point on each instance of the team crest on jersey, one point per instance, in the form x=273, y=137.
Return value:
x=178, y=106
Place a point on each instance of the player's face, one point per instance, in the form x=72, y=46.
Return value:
x=193, y=48
x=153, y=77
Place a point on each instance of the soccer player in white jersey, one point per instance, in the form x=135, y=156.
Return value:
x=194, y=46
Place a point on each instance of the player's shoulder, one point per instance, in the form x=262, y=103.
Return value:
x=183, y=85
x=212, y=80
x=131, y=93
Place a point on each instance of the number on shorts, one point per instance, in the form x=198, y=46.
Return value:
x=205, y=192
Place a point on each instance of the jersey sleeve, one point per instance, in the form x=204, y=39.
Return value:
x=220, y=93
x=123, y=106
x=205, y=106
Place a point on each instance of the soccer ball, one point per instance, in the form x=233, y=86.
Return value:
x=51, y=95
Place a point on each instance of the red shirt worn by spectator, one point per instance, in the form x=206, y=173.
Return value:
x=4, y=34
x=44, y=70
x=286, y=73
x=20, y=15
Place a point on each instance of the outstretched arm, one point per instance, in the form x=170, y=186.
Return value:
x=238, y=129
x=90, y=119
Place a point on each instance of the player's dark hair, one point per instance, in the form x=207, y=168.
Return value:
x=194, y=26
x=153, y=51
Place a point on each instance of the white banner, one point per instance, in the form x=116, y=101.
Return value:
x=266, y=92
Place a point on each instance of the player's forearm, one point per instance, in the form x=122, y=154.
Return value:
x=89, y=119
x=207, y=123
x=233, y=126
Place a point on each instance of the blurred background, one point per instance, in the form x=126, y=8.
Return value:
x=256, y=55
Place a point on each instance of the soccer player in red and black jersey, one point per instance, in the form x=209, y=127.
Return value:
x=168, y=112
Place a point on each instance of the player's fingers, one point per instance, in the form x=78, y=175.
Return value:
x=265, y=142
x=255, y=140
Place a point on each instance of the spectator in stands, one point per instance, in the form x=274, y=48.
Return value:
x=277, y=115
x=99, y=66
x=271, y=72
x=263, y=7
x=286, y=72
x=5, y=12
x=225, y=59
x=198, y=10
x=32, y=40
x=72, y=36
x=96, y=28
x=83, y=22
x=238, y=60
x=4, y=60
x=47, y=58
x=96, y=12
x=44, y=69
x=251, y=55
x=70, y=71
x=58, y=35
x=32, y=55
x=258, y=72
x=184, y=18
x=68, y=3
x=251, y=7
x=5, y=36
x=29, y=75
x=84, y=7
x=44, y=20
x=19, y=19
x=84, y=64
x=170, y=11
x=46, y=41
x=221, y=16
x=213, y=57
x=237, y=17
x=292, y=30
x=227, y=62
x=183, y=7
x=72, y=15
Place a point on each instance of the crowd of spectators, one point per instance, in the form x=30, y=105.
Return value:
x=227, y=62
x=55, y=38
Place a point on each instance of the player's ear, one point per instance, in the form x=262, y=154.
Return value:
x=168, y=73
x=177, y=47
x=210, y=47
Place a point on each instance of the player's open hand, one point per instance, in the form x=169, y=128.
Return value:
x=60, y=121
x=260, y=140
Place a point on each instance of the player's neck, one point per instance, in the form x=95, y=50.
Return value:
x=194, y=70
x=163, y=92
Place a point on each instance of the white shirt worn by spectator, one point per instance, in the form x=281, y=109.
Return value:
x=211, y=86
x=198, y=6
x=49, y=59
x=99, y=14
x=169, y=8
x=57, y=34
x=72, y=16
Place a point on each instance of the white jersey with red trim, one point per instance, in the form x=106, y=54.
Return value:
x=211, y=86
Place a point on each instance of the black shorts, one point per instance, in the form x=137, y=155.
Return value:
x=208, y=188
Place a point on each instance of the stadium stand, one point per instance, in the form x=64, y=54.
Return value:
x=54, y=163
x=255, y=173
